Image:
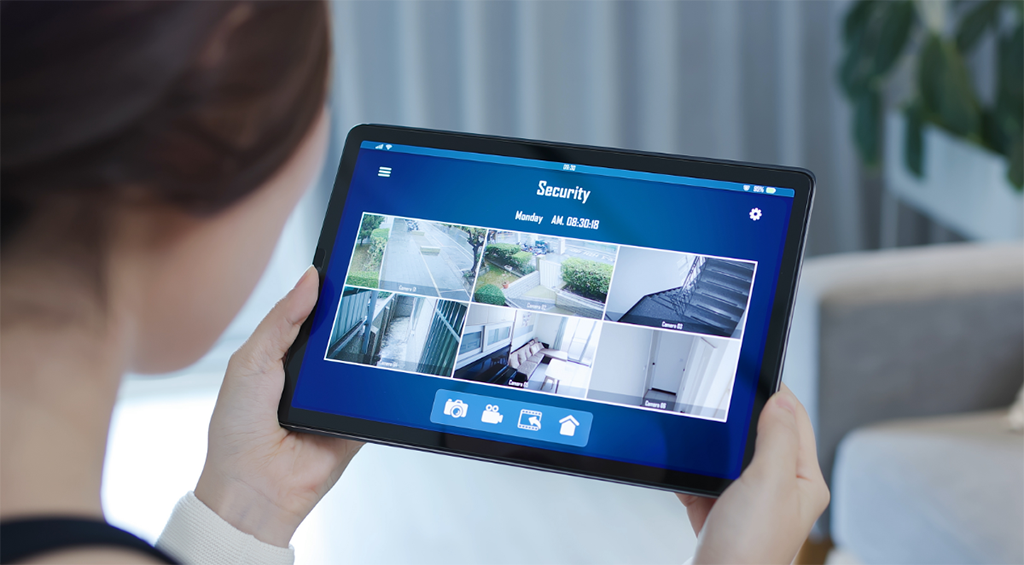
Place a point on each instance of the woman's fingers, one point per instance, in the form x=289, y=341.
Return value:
x=778, y=439
x=276, y=333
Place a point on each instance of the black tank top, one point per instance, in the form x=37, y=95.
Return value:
x=24, y=539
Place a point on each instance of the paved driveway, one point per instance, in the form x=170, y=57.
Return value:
x=428, y=261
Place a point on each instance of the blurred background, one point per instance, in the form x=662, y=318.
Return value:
x=905, y=111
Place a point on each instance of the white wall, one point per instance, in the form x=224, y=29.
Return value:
x=719, y=389
x=520, y=333
x=622, y=357
x=480, y=314
x=546, y=329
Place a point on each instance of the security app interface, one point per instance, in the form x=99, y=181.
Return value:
x=610, y=313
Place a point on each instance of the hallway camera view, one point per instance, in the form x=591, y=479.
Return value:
x=680, y=291
x=545, y=274
x=665, y=370
x=396, y=331
x=528, y=350
x=416, y=256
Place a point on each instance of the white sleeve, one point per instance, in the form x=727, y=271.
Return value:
x=195, y=534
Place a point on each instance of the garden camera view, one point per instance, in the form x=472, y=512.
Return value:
x=546, y=274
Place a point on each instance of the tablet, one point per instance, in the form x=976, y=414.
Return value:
x=597, y=312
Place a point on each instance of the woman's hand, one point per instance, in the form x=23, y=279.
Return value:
x=765, y=516
x=259, y=477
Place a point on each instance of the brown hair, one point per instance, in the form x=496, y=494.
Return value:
x=193, y=104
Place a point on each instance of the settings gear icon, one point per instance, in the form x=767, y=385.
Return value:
x=755, y=214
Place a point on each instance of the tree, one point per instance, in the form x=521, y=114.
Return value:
x=370, y=223
x=476, y=238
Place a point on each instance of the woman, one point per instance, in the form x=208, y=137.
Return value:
x=151, y=153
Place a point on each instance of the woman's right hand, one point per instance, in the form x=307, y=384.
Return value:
x=766, y=514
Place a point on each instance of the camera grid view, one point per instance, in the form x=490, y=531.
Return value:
x=653, y=329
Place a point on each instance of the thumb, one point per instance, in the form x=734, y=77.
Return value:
x=777, y=448
x=276, y=333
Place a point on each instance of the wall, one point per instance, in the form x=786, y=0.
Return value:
x=523, y=331
x=546, y=329
x=621, y=370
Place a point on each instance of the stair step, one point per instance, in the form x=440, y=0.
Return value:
x=716, y=304
x=710, y=317
x=726, y=280
x=727, y=293
x=736, y=267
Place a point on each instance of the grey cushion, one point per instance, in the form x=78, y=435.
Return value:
x=931, y=490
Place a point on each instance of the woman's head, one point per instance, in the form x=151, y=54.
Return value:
x=176, y=134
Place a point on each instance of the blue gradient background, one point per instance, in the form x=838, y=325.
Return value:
x=633, y=212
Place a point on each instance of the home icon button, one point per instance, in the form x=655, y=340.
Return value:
x=568, y=426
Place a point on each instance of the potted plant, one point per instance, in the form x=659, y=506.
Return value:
x=951, y=154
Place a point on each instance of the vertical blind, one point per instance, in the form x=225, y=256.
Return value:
x=751, y=81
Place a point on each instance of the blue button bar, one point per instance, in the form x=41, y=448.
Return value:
x=512, y=418
x=585, y=169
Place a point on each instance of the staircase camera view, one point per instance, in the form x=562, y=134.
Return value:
x=528, y=350
x=680, y=291
x=545, y=274
x=665, y=370
x=648, y=328
x=416, y=256
x=397, y=331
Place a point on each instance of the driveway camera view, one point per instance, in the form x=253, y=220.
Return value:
x=680, y=291
x=416, y=256
x=665, y=370
x=545, y=274
x=528, y=350
x=396, y=331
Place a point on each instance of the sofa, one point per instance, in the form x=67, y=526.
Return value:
x=531, y=355
x=907, y=361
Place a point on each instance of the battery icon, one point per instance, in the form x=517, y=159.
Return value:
x=769, y=190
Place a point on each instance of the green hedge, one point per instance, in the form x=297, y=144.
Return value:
x=378, y=241
x=368, y=279
x=490, y=294
x=587, y=278
x=502, y=252
x=521, y=261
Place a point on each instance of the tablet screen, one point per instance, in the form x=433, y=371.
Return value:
x=616, y=314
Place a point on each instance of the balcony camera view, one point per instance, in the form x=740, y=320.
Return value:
x=528, y=350
x=397, y=331
x=680, y=291
x=416, y=256
x=665, y=370
x=545, y=274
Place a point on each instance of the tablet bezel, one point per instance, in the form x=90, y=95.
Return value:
x=800, y=180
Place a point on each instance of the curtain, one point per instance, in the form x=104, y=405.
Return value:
x=751, y=81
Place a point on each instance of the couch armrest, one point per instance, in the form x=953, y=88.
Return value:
x=905, y=333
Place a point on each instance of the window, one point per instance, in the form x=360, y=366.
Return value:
x=498, y=334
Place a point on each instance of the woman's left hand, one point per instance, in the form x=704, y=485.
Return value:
x=259, y=477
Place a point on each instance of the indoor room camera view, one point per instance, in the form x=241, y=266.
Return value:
x=680, y=291
x=665, y=370
x=529, y=350
x=397, y=331
x=415, y=256
x=546, y=274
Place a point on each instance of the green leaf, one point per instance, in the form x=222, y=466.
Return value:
x=857, y=18
x=913, y=139
x=867, y=120
x=896, y=23
x=973, y=24
x=1015, y=173
x=945, y=87
x=1010, y=85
